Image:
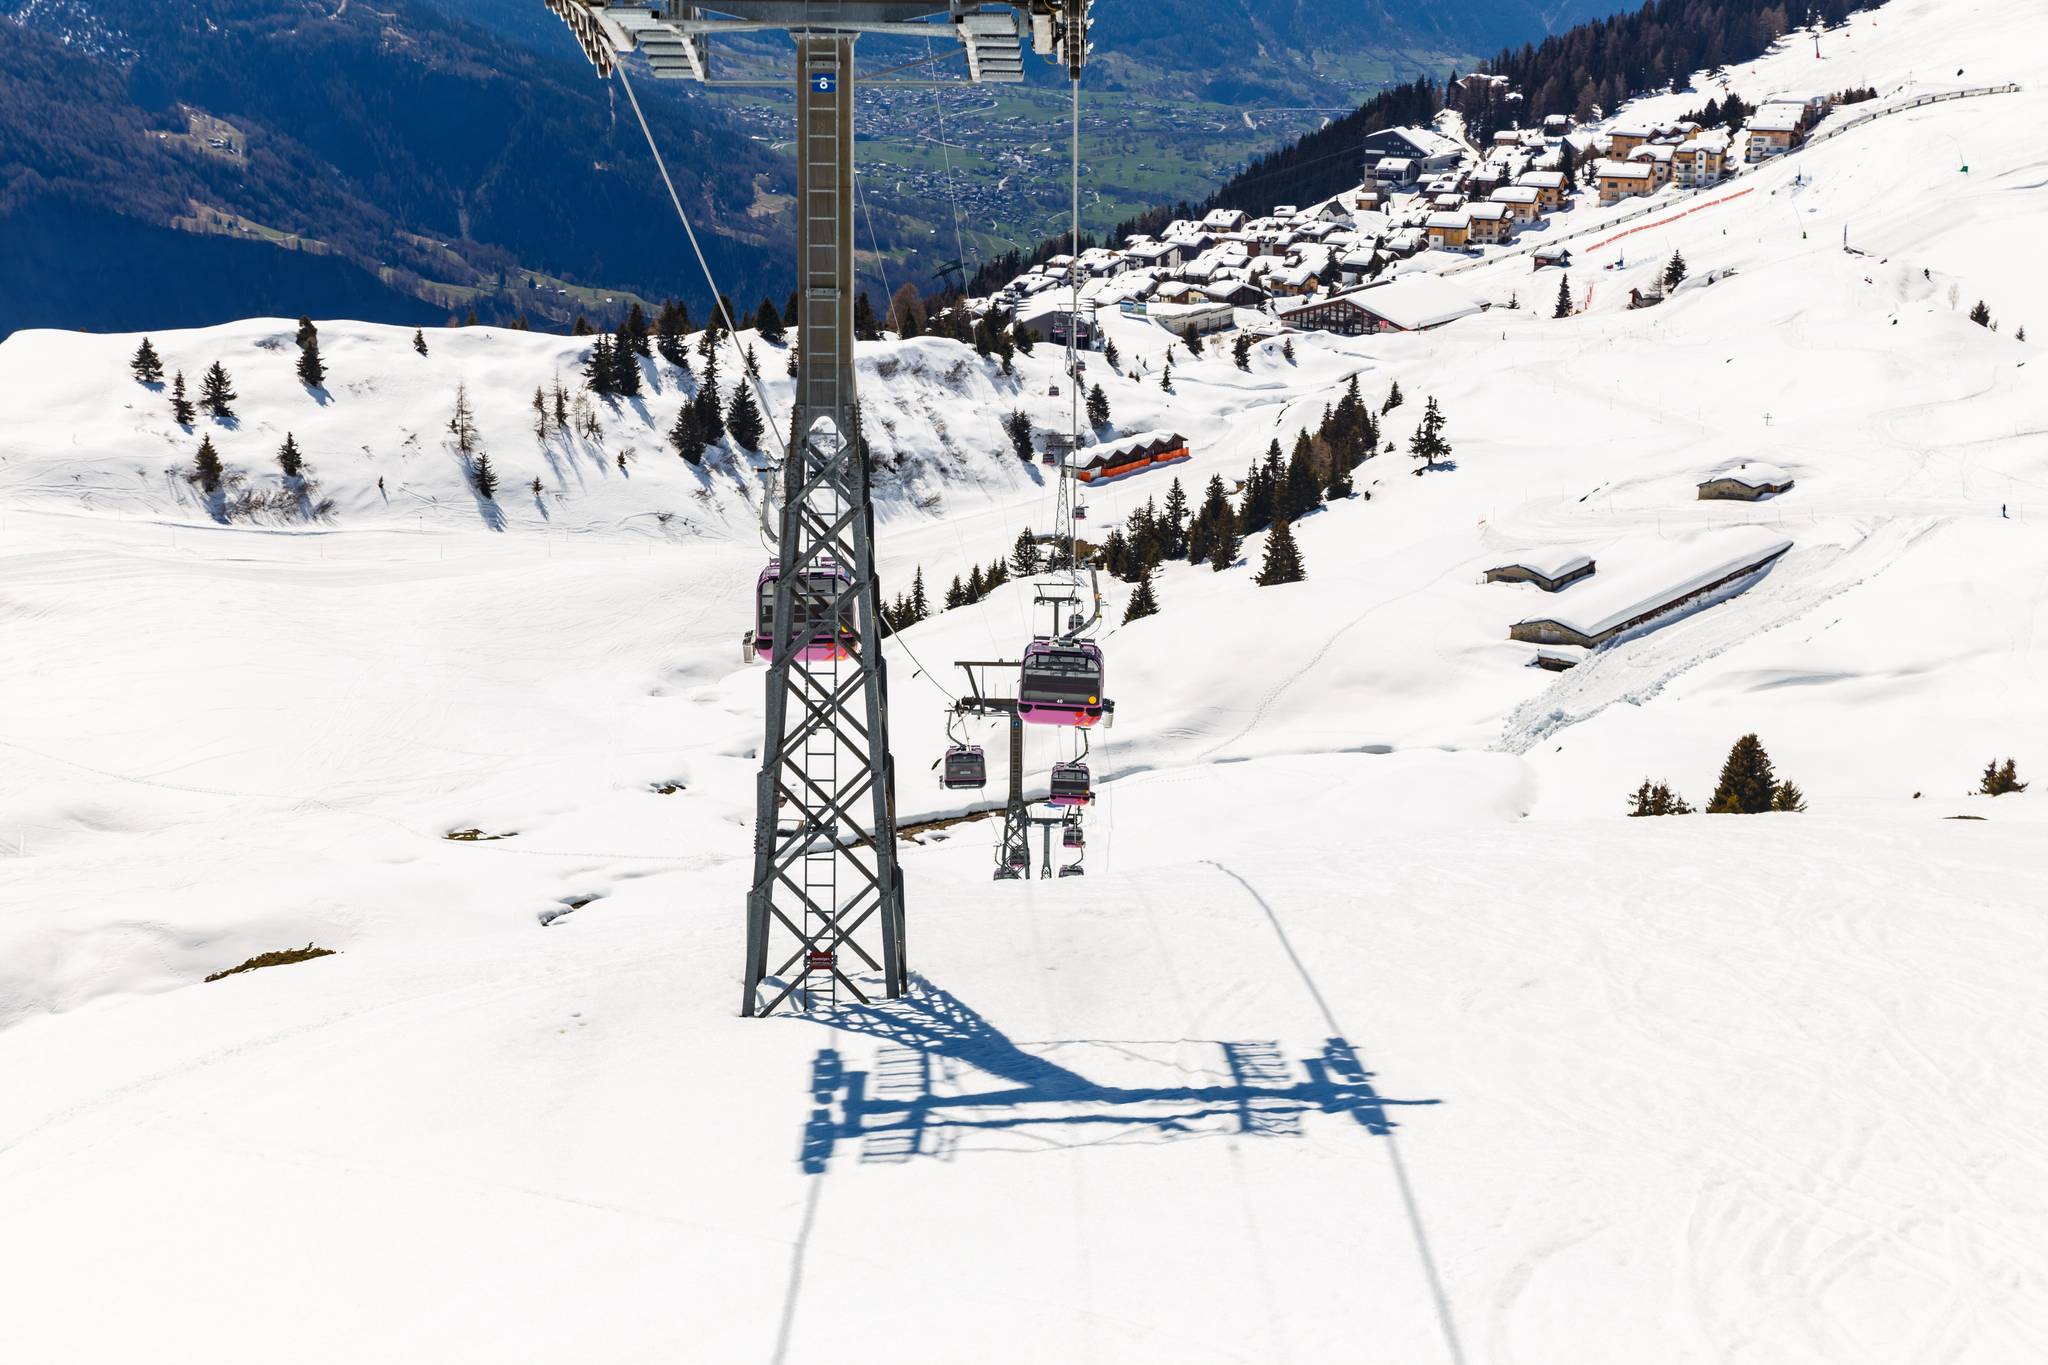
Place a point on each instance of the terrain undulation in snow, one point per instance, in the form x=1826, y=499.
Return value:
x=1374, y=1032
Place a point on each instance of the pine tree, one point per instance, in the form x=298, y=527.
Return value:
x=312, y=373
x=1338, y=485
x=1981, y=314
x=1747, y=783
x=1300, y=491
x=307, y=331
x=1394, y=399
x=920, y=605
x=484, y=477
x=536, y=486
x=419, y=341
x=1173, y=523
x=1191, y=339
x=581, y=327
x=217, y=394
x=1428, y=444
x=1283, y=558
x=1997, y=781
x=1114, y=361
x=1241, y=351
x=558, y=399
x=289, y=458
x=672, y=334
x=768, y=322
x=1564, y=297
x=1026, y=339
x=148, y=368
x=1024, y=554
x=1223, y=553
x=599, y=368
x=1788, y=797
x=743, y=418
x=1098, y=407
x=976, y=588
x=540, y=414
x=1166, y=375
x=710, y=403
x=1658, y=799
x=956, y=595
x=1674, y=271
x=634, y=334
x=181, y=406
x=1017, y=426
x=1287, y=350
x=687, y=435
x=206, y=465
x=865, y=328
x=462, y=423
x=1144, y=602
x=625, y=364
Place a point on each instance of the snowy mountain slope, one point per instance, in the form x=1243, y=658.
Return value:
x=1704, y=1090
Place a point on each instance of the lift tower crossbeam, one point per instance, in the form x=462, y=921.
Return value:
x=825, y=911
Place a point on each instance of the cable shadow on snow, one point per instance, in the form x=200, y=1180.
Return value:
x=947, y=1081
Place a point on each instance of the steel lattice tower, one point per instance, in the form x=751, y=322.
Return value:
x=825, y=910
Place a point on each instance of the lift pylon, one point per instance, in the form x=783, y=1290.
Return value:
x=825, y=912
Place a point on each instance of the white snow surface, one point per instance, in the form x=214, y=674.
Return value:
x=1374, y=1031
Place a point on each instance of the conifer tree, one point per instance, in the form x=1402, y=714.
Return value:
x=633, y=337
x=1287, y=350
x=289, y=459
x=312, y=373
x=625, y=364
x=419, y=341
x=956, y=595
x=484, y=477
x=1144, y=602
x=1098, y=407
x=217, y=393
x=865, y=327
x=558, y=401
x=148, y=367
x=1674, y=271
x=1657, y=799
x=600, y=369
x=1110, y=356
x=1024, y=554
x=687, y=435
x=1209, y=521
x=1788, y=797
x=536, y=486
x=920, y=605
x=1173, y=522
x=1747, y=782
x=1300, y=491
x=1241, y=351
x=1394, y=399
x=768, y=322
x=976, y=588
x=1564, y=297
x=1283, y=558
x=462, y=423
x=1191, y=339
x=1026, y=339
x=672, y=334
x=1017, y=426
x=206, y=465
x=743, y=419
x=540, y=414
x=181, y=406
x=1428, y=443
x=1338, y=486
x=1997, y=781
x=1981, y=314
x=307, y=331
x=1228, y=542
x=906, y=312
x=581, y=328
x=710, y=402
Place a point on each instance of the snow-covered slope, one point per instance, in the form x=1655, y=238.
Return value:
x=1374, y=1029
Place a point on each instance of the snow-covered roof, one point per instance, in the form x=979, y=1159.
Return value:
x=1551, y=563
x=1447, y=220
x=1658, y=573
x=1625, y=170
x=1413, y=302
x=1777, y=118
x=1542, y=180
x=1753, y=473
x=1489, y=211
x=1124, y=447
x=1515, y=194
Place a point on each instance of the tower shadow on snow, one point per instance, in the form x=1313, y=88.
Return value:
x=948, y=1081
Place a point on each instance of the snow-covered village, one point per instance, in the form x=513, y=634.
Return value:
x=1171, y=783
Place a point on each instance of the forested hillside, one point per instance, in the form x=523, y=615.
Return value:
x=392, y=159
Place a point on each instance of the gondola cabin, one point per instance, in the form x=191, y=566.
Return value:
x=1070, y=785
x=1073, y=870
x=1071, y=837
x=964, y=768
x=826, y=626
x=1060, y=683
